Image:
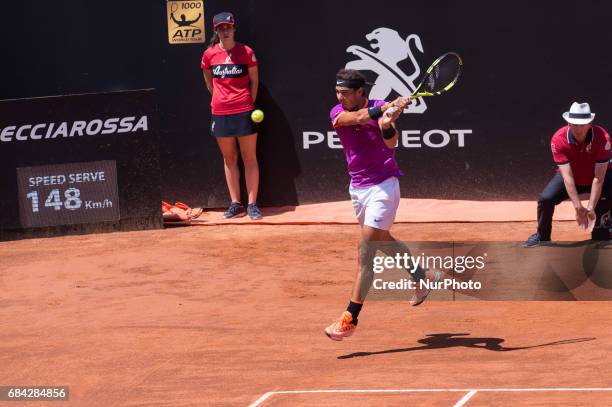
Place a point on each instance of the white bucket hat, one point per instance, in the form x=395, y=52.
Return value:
x=579, y=113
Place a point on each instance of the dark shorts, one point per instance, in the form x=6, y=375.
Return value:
x=232, y=125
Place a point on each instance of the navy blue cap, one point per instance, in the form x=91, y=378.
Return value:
x=223, y=18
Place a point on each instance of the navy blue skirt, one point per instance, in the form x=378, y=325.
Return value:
x=232, y=125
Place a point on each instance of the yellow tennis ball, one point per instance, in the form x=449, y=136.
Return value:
x=257, y=116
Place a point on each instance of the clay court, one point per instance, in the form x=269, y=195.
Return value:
x=232, y=315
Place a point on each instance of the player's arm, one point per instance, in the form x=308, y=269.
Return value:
x=572, y=192
x=560, y=157
x=368, y=113
x=602, y=159
x=596, y=187
x=254, y=79
x=570, y=185
x=387, y=128
x=360, y=116
x=208, y=79
x=389, y=133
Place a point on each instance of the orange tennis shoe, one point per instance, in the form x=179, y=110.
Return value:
x=341, y=328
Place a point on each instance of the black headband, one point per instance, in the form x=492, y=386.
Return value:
x=579, y=115
x=350, y=83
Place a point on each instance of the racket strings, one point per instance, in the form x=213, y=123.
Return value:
x=445, y=72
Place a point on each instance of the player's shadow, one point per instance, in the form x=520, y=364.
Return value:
x=450, y=340
x=562, y=275
x=569, y=245
x=279, y=164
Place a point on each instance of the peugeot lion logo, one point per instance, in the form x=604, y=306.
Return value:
x=386, y=51
x=391, y=49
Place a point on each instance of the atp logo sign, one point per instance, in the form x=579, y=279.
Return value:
x=185, y=21
x=390, y=49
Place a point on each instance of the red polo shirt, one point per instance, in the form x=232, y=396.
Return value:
x=581, y=157
x=231, y=83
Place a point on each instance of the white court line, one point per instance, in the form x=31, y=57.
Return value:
x=262, y=399
x=465, y=398
x=269, y=394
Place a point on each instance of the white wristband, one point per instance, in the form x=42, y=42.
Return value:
x=391, y=110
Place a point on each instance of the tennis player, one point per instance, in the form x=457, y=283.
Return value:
x=366, y=129
x=231, y=76
x=581, y=151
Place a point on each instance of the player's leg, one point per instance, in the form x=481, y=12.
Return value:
x=229, y=150
x=379, y=205
x=553, y=194
x=374, y=239
x=375, y=208
x=393, y=247
x=381, y=209
x=606, y=190
x=347, y=323
x=248, y=152
x=371, y=239
x=603, y=211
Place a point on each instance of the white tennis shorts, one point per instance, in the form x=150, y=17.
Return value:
x=376, y=206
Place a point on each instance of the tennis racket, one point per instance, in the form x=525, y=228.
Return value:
x=439, y=78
